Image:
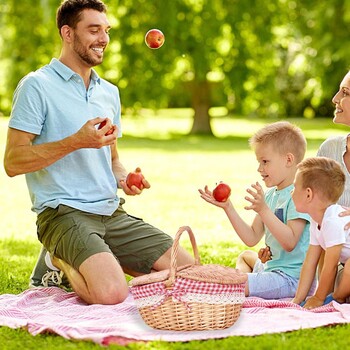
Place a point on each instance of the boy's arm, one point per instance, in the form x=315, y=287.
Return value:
x=308, y=272
x=327, y=277
x=249, y=234
x=287, y=235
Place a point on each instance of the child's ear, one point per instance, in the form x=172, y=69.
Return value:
x=309, y=194
x=290, y=159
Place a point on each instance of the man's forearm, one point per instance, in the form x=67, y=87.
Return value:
x=25, y=159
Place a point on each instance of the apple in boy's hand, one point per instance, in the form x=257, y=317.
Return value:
x=102, y=124
x=135, y=178
x=221, y=192
x=154, y=39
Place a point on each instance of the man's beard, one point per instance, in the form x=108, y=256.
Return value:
x=85, y=54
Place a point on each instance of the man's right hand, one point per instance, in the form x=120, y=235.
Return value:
x=89, y=136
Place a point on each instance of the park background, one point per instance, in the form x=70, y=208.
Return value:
x=227, y=68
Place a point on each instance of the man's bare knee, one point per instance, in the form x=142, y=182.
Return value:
x=105, y=281
x=110, y=295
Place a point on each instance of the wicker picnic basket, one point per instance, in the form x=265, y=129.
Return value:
x=190, y=297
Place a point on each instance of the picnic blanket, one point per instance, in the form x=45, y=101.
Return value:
x=54, y=310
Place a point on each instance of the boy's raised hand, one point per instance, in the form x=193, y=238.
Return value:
x=256, y=198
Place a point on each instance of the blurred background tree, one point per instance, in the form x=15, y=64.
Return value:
x=279, y=58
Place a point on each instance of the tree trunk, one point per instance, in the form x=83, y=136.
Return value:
x=201, y=102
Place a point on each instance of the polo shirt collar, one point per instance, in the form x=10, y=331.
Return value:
x=66, y=73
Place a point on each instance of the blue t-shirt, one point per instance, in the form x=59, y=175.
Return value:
x=53, y=103
x=281, y=203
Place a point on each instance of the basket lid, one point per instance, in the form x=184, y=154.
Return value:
x=206, y=273
x=210, y=273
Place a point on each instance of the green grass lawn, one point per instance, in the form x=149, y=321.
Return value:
x=176, y=165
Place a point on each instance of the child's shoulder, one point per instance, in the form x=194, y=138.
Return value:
x=332, y=215
x=281, y=197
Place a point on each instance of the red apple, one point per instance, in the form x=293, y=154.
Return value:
x=135, y=179
x=221, y=192
x=154, y=39
x=102, y=124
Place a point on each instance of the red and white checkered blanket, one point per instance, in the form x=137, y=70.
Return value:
x=54, y=310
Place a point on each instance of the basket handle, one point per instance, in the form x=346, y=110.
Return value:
x=175, y=249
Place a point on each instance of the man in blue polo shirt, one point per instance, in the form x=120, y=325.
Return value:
x=73, y=169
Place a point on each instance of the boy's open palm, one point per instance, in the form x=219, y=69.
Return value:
x=207, y=195
x=256, y=198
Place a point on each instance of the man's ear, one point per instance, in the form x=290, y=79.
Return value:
x=66, y=33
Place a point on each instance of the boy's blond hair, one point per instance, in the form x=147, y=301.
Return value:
x=324, y=176
x=284, y=137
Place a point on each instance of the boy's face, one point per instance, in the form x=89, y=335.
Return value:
x=299, y=194
x=274, y=167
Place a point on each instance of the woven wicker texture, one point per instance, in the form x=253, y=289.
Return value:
x=186, y=308
x=199, y=316
x=213, y=273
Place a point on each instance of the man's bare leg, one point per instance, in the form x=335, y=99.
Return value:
x=183, y=258
x=100, y=279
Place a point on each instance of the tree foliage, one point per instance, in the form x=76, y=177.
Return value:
x=257, y=58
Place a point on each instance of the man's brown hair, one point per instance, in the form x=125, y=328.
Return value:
x=69, y=12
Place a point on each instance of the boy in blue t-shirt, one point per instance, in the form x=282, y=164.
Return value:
x=279, y=147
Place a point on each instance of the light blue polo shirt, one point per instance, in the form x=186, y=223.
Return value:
x=53, y=103
x=281, y=203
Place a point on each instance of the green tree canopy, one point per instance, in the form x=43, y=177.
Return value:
x=276, y=58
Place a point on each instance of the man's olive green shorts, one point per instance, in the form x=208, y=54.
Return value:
x=73, y=236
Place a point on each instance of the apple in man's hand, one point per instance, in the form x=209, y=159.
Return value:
x=154, y=39
x=102, y=124
x=135, y=178
x=221, y=192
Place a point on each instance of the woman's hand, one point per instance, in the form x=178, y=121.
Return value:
x=346, y=212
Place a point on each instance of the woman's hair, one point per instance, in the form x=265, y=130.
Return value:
x=70, y=11
x=284, y=137
x=324, y=176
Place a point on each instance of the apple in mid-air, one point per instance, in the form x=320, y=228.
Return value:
x=221, y=192
x=154, y=38
x=135, y=178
